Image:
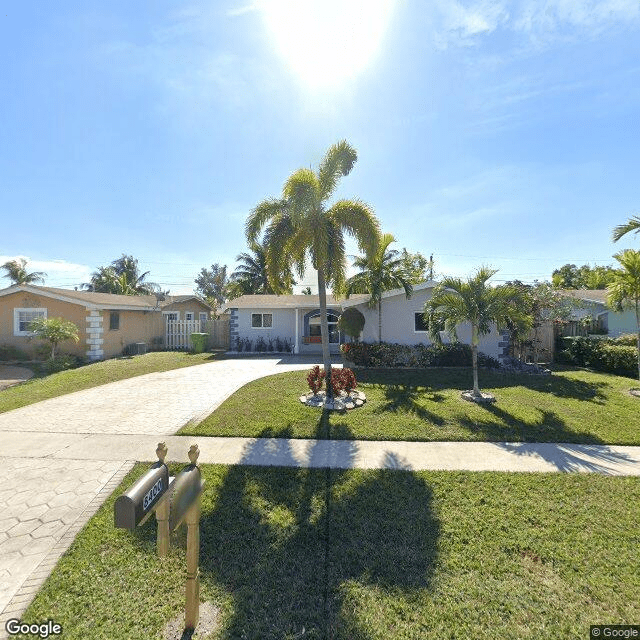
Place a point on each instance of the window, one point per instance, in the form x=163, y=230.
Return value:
x=114, y=321
x=171, y=316
x=419, y=323
x=188, y=316
x=22, y=318
x=262, y=320
x=315, y=330
x=203, y=317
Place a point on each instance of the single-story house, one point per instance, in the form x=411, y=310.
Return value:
x=593, y=303
x=107, y=323
x=297, y=318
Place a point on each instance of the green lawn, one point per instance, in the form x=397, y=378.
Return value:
x=92, y=375
x=569, y=406
x=367, y=555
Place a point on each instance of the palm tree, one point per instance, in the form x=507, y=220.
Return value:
x=122, y=277
x=379, y=272
x=251, y=276
x=455, y=301
x=624, y=290
x=16, y=271
x=300, y=224
x=632, y=224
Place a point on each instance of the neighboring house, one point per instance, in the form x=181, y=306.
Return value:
x=107, y=323
x=297, y=318
x=593, y=303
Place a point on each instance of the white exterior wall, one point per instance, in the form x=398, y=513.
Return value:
x=619, y=323
x=398, y=325
x=284, y=324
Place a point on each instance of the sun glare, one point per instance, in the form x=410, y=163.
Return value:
x=327, y=42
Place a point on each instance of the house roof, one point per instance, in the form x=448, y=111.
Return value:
x=588, y=295
x=265, y=301
x=284, y=302
x=101, y=300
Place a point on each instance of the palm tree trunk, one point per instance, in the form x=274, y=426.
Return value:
x=324, y=329
x=380, y=321
x=474, y=359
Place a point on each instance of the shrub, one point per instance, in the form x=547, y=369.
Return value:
x=261, y=345
x=351, y=322
x=315, y=379
x=606, y=355
x=420, y=355
x=627, y=339
x=62, y=362
x=9, y=352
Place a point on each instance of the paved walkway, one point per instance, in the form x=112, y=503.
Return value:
x=63, y=457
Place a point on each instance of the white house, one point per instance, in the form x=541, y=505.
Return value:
x=297, y=318
x=593, y=302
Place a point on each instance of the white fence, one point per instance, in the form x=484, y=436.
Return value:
x=178, y=334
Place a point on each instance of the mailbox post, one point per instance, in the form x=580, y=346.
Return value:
x=185, y=507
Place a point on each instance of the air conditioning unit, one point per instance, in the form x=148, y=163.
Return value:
x=137, y=348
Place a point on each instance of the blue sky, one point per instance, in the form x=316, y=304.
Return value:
x=488, y=132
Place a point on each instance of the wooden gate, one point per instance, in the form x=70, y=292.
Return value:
x=219, y=332
x=178, y=334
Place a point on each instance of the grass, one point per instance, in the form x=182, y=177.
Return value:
x=367, y=555
x=570, y=406
x=93, y=375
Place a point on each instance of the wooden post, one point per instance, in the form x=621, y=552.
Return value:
x=192, y=604
x=162, y=511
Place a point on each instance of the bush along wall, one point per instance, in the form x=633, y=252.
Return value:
x=363, y=354
x=260, y=345
x=602, y=354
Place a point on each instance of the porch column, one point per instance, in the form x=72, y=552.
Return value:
x=296, y=346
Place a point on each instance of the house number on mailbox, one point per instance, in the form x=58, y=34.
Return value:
x=151, y=494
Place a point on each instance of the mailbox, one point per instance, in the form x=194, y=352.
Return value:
x=186, y=488
x=138, y=502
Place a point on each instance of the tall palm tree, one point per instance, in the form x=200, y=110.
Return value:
x=632, y=224
x=455, y=301
x=379, y=272
x=624, y=290
x=251, y=276
x=301, y=224
x=16, y=271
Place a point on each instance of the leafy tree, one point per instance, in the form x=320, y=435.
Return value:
x=631, y=225
x=417, y=267
x=122, y=277
x=306, y=291
x=571, y=276
x=54, y=331
x=251, y=277
x=455, y=301
x=379, y=272
x=211, y=284
x=541, y=304
x=16, y=271
x=301, y=224
x=624, y=291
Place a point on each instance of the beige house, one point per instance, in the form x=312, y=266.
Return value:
x=107, y=323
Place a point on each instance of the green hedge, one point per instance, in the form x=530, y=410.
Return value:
x=600, y=354
x=363, y=354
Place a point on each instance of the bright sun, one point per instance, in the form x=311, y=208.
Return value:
x=327, y=42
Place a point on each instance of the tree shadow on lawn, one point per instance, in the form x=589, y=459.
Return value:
x=407, y=398
x=289, y=544
x=461, y=378
x=549, y=427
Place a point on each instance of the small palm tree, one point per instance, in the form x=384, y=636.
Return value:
x=251, y=276
x=455, y=301
x=16, y=271
x=633, y=224
x=379, y=272
x=624, y=291
x=300, y=224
